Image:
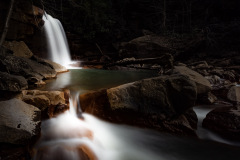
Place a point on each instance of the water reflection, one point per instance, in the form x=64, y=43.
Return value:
x=92, y=79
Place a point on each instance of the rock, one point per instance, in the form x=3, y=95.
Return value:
x=27, y=68
x=207, y=98
x=57, y=67
x=225, y=121
x=148, y=46
x=47, y=97
x=19, y=48
x=12, y=83
x=40, y=101
x=203, y=85
x=234, y=94
x=24, y=20
x=55, y=110
x=155, y=103
x=19, y=122
x=51, y=103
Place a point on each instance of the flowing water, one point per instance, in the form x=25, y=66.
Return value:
x=57, y=41
x=68, y=137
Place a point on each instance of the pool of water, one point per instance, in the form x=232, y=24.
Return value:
x=84, y=80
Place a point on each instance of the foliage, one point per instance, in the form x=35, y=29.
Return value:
x=91, y=18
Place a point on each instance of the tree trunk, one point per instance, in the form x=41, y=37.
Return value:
x=164, y=16
x=5, y=30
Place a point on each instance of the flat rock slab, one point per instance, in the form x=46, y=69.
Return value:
x=19, y=121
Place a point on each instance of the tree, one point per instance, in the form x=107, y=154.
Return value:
x=5, y=30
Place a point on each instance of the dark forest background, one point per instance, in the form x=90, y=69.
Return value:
x=126, y=18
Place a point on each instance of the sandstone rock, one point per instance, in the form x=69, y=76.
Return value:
x=19, y=122
x=35, y=96
x=26, y=67
x=12, y=83
x=234, y=94
x=51, y=103
x=203, y=85
x=156, y=103
x=19, y=48
x=40, y=101
x=146, y=47
x=224, y=121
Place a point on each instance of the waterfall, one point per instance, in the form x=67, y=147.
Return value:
x=57, y=41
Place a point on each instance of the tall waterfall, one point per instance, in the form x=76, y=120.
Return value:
x=57, y=41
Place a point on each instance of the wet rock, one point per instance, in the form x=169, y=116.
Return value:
x=19, y=122
x=55, y=110
x=12, y=83
x=146, y=47
x=57, y=67
x=19, y=49
x=225, y=121
x=26, y=68
x=234, y=94
x=203, y=85
x=156, y=103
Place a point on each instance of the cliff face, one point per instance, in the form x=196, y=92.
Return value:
x=25, y=24
x=25, y=19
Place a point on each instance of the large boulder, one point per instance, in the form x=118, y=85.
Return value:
x=30, y=69
x=19, y=122
x=24, y=20
x=12, y=83
x=146, y=47
x=225, y=121
x=203, y=85
x=153, y=103
x=234, y=94
x=57, y=67
x=19, y=48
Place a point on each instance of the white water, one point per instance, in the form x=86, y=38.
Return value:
x=64, y=138
x=206, y=134
x=57, y=41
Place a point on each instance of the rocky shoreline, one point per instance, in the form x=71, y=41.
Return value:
x=189, y=74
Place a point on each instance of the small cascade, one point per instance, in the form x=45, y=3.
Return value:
x=57, y=41
x=67, y=137
x=75, y=108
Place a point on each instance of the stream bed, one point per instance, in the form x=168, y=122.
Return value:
x=65, y=136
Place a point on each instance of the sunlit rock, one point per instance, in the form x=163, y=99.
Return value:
x=19, y=121
x=53, y=102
